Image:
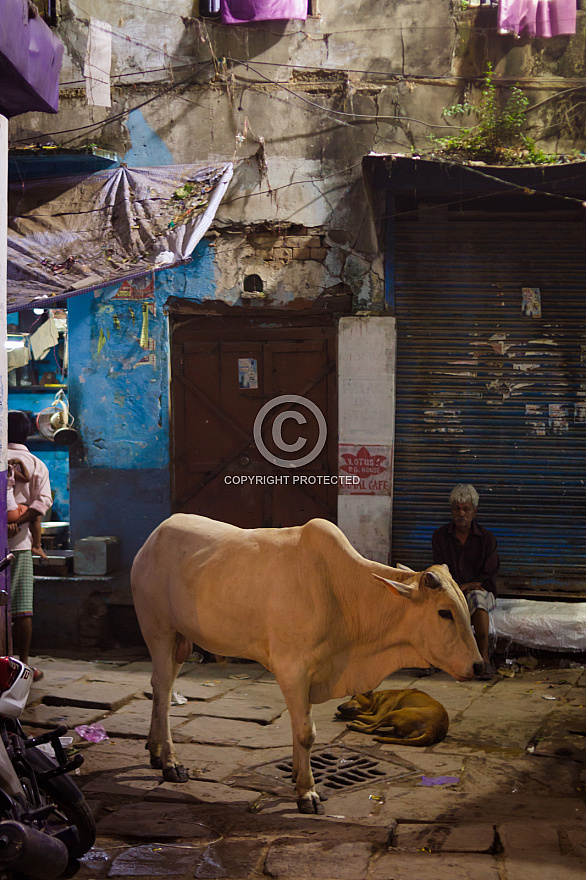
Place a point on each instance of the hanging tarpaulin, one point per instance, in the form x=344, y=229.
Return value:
x=70, y=234
x=537, y=18
x=244, y=11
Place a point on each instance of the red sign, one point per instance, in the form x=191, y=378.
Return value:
x=372, y=464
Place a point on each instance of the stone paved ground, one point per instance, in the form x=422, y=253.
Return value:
x=517, y=812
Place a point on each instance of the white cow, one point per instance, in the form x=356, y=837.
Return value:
x=301, y=601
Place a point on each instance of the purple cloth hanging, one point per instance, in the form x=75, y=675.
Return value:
x=537, y=18
x=244, y=11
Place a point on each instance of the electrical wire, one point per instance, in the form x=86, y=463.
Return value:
x=112, y=29
x=81, y=82
x=108, y=120
x=124, y=36
x=275, y=189
x=330, y=111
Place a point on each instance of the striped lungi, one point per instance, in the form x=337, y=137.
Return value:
x=21, y=583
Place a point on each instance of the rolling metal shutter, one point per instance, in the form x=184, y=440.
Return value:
x=488, y=395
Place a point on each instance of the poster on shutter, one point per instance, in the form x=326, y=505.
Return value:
x=559, y=421
x=247, y=373
x=372, y=464
x=531, y=304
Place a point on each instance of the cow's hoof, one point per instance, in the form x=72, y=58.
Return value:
x=310, y=804
x=176, y=773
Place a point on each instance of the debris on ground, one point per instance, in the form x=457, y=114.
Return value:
x=95, y=733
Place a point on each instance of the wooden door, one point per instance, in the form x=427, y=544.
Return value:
x=224, y=370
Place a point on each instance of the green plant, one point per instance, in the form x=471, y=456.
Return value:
x=498, y=135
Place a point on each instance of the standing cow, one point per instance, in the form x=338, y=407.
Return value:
x=302, y=602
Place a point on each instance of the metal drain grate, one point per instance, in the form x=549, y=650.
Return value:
x=337, y=769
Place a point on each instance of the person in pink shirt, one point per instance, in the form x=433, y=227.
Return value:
x=35, y=495
x=17, y=472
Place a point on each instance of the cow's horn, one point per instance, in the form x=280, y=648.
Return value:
x=396, y=587
x=431, y=580
x=402, y=567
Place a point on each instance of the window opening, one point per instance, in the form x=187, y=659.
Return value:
x=253, y=284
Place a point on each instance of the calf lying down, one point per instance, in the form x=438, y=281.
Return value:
x=408, y=717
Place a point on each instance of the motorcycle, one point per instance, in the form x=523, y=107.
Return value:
x=45, y=822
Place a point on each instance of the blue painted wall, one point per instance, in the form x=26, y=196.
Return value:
x=119, y=395
x=147, y=147
x=55, y=457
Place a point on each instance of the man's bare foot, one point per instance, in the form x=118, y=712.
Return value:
x=38, y=551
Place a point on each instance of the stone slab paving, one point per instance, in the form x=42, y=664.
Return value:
x=156, y=860
x=135, y=782
x=231, y=858
x=157, y=821
x=134, y=719
x=540, y=850
x=60, y=671
x=516, y=812
x=200, y=791
x=214, y=730
x=93, y=693
x=524, y=776
x=490, y=723
x=113, y=754
x=218, y=729
x=314, y=859
x=430, y=866
x=40, y=715
x=473, y=837
x=249, y=706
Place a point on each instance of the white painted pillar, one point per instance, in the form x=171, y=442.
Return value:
x=367, y=349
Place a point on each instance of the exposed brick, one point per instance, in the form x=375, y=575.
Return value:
x=264, y=253
x=265, y=240
x=282, y=253
x=301, y=253
x=299, y=241
x=319, y=253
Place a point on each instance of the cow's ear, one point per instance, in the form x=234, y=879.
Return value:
x=396, y=587
x=402, y=567
x=431, y=580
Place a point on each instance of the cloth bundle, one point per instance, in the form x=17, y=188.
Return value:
x=537, y=18
x=244, y=11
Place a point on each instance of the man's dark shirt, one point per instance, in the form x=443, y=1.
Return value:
x=476, y=560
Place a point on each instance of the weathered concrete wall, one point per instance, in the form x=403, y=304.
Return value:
x=297, y=104
x=119, y=389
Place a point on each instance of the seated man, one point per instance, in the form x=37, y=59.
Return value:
x=470, y=552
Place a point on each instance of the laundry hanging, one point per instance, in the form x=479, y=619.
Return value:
x=245, y=11
x=537, y=18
